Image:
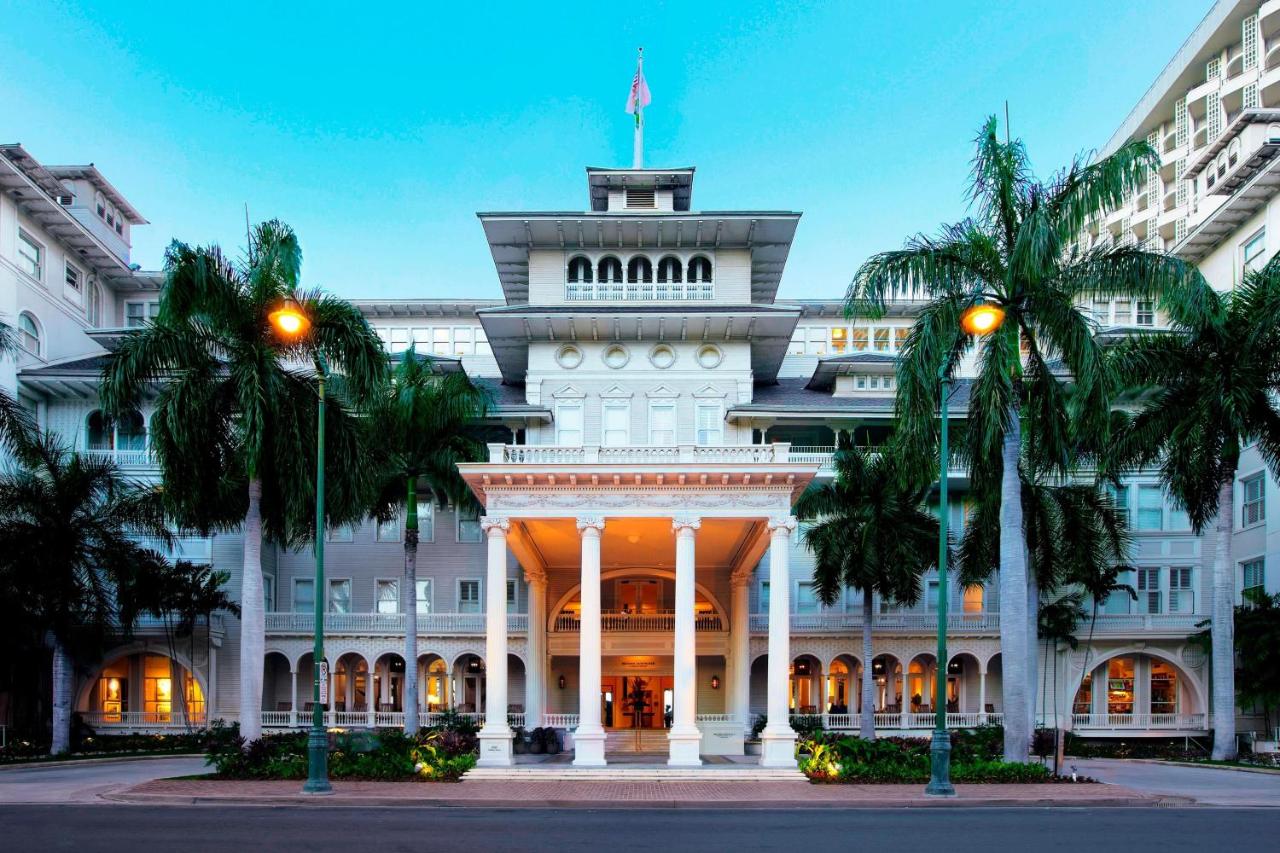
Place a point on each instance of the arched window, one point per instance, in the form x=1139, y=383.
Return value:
x=670, y=271
x=93, y=305
x=699, y=270
x=99, y=432
x=131, y=431
x=639, y=270
x=29, y=332
x=579, y=270
x=610, y=271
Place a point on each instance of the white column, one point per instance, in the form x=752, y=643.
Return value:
x=982, y=691
x=777, y=741
x=293, y=698
x=684, y=740
x=495, y=735
x=535, y=684
x=588, y=740
x=740, y=651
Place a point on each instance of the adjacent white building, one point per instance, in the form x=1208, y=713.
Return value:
x=657, y=410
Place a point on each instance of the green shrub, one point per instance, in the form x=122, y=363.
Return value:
x=975, y=757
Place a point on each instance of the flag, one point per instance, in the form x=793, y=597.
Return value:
x=639, y=97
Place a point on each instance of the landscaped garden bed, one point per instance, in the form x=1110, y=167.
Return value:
x=975, y=758
x=31, y=750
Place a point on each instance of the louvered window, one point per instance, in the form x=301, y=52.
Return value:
x=1180, y=122
x=1181, y=594
x=1213, y=116
x=1250, y=96
x=640, y=198
x=1149, y=590
x=1213, y=68
x=1253, y=508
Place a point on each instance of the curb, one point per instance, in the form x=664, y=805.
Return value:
x=106, y=759
x=1265, y=771
x=632, y=805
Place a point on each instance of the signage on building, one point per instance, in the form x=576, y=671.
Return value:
x=324, y=682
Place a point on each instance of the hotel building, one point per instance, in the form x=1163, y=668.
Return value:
x=659, y=410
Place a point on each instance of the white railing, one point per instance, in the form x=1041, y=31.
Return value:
x=388, y=719
x=843, y=622
x=515, y=719
x=435, y=717
x=284, y=719
x=345, y=719
x=820, y=455
x=716, y=718
x=124, y=458
x=391, y=624
x=193, y=549
x=560, y=721
x=896, y=722
x=1111, y=623
x=614, y=622
x=143, y=720
x=1178, y=722
x=575, y=291
x=550, y=454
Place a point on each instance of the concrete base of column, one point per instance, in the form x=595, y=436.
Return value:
x=685, y=747
x=778, y=748
x=588, y=748
x=495, y=747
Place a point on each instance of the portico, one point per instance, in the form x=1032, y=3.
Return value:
x=659, y=553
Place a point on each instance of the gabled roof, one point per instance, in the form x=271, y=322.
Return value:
x=827, y=369
x=90, y=173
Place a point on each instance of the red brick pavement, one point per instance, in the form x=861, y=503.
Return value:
x=621, y=794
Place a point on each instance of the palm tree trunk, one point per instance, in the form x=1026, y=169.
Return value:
x=252, y=618
x=867, y=720
x=1015, y=687
x=1033, y=644
x=63, y=688
x=410, y=598
x=1222, y=631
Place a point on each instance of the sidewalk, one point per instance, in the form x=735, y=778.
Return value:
x=632, y=795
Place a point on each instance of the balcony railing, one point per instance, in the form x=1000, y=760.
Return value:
x=959, y=623
x=575, y=291
x=375, y=624
x=370, y=719
x=1140, y=722
x=555, y=454
x=143, y=720
x=143, y=458
x=890, y=721
x=1123, y=623
x=615, y=622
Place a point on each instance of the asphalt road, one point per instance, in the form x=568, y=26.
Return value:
x=88, y=829
x=82, y=782
x=1206, y=785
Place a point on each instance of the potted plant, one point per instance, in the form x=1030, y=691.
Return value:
x=537, y=741
x=518, y=743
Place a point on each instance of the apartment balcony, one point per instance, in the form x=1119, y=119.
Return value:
x=388, y=624
x=139, y=458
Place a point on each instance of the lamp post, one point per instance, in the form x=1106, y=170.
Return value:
x=291, y=322
x=981, y=319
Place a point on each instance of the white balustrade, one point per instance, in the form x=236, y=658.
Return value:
x=958, y=623
x=143, y=720
x=515, y=719
x=142, y=458
x=1178, y=722
x=544, y=454
x=560, y=721
x=389, y=624
x=715, y=718
x=616, y=622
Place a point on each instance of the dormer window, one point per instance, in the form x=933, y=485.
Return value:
x=639, y=270
x=640, y=198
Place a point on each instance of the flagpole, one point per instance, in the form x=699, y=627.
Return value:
x=637, y=154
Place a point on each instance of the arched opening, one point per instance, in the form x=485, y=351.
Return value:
x=610, y=270
x=1136, y=689
x=468, y=686
x=995, y=686
x=579, y=270
x=351, y=686
x=670, y=271
x=639, y=270
x=143, y=689
x=843, y=693
x=806, y=685
x=388, y=683
x=922, y=675
x=964, y=690
x=278, y=688
x=433, y=683
x=29, y=334
x=699, y=270
x=886, y=672
x=104, y=433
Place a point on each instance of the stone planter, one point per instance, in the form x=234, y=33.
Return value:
x=752, y=747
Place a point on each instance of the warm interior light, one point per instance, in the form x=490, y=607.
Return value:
x=633, y=538
x=289, y=318
x=982, y=319
x=113, y=688
x=163, y=686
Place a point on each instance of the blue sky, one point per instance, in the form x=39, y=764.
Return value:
x=378, y=132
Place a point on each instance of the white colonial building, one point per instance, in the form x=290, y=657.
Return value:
x=656, y=412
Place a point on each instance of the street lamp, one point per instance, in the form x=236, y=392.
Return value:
x=292, y=322
x=981, y=319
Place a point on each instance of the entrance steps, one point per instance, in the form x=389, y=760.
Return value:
x=636, y=741
x=635, y=773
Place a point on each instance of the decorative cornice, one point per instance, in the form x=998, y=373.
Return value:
x=785, y=523
x=590, y=522
x=490, y=524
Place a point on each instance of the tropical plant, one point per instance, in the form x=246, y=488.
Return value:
x=16, y=424
x=871, y=533
x=235, y=416
x=1202, y=391
x=1021, y=251
x=425, y=423
x=70, y=563
x=1257, y=639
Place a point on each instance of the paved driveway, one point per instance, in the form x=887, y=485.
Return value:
x=84, y=782
x=1206, y=785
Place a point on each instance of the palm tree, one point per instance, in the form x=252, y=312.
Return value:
x=234, y=423
x=16, y=425
x=1203, y=391
x=871, y=533
x=1019, y=250
x=425, y=424
x=70, y=565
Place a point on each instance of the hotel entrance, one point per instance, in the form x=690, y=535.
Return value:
x=636, y=701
